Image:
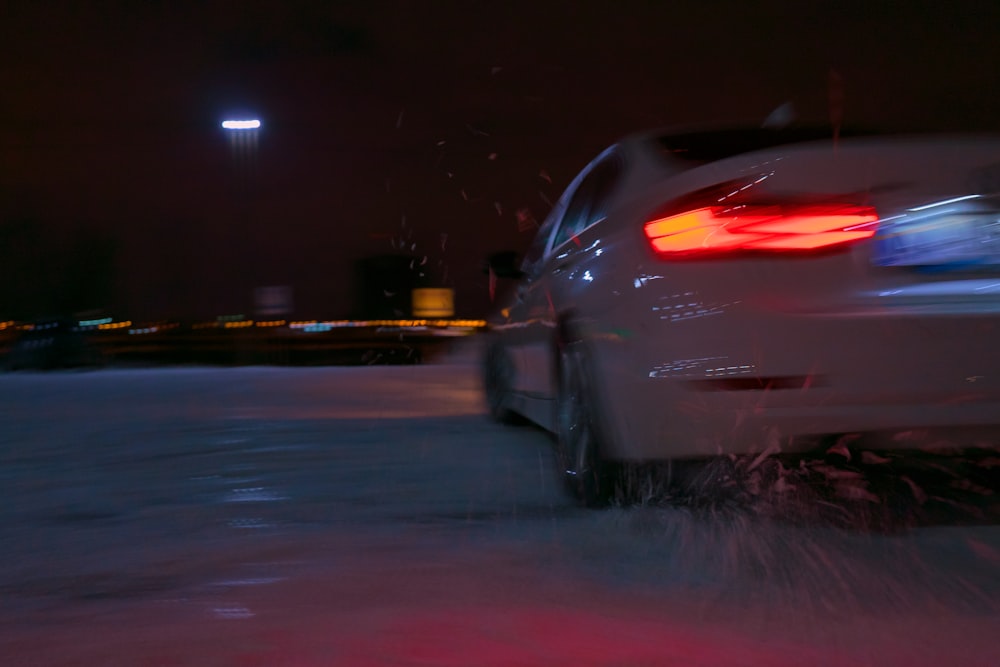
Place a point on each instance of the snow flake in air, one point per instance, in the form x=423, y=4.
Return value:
x=525, y=220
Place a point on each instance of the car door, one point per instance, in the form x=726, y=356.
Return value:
x=583, y=205
x=518, y=313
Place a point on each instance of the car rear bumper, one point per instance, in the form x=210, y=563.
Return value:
x=786, y=381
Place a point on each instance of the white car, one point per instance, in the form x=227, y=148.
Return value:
x=757, y=290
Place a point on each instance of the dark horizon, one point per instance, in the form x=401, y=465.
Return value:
x=438, y=130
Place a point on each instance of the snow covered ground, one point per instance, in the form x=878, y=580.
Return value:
x=374, y=516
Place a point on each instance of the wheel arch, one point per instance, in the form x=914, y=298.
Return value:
x=573, y=326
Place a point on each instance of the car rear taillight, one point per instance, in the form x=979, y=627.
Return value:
x=759, y=228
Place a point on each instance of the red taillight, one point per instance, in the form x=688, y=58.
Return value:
x=760, y=227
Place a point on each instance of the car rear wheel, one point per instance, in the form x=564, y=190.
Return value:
x=578, y=432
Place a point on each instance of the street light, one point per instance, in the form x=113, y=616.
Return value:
x=243, y=138
x=245, y=243
x=241, y=124
x=243, y=141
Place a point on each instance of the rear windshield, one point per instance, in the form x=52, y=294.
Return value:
x=720, y=144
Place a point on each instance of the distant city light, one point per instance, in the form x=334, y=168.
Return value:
x=241, y=124
x=94, y=323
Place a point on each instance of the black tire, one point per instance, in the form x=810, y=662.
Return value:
x=498, y=377
x=586, y=474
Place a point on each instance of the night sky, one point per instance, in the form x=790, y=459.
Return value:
x=437, y=124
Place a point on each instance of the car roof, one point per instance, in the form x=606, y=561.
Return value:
x=700, y=145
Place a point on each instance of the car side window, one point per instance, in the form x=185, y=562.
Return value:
x=536, y=251
x=589, y=203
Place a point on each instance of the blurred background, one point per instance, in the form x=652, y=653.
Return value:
x=400, y=142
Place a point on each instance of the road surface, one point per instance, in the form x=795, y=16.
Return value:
x=374, y=516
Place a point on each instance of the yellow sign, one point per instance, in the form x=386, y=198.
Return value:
x=433, y=302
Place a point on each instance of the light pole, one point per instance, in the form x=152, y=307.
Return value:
x=243, y=140
x=243, y=135
x=245, y=247
x=268, y=299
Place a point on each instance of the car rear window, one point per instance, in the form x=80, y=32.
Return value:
x=715, y=145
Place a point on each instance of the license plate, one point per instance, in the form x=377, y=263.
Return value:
x=943, y=241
